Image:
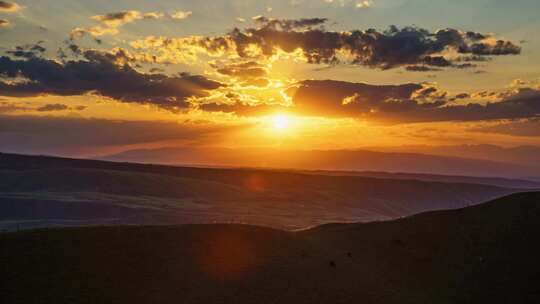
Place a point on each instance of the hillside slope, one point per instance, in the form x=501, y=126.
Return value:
x=482, y=254
x=43, y=191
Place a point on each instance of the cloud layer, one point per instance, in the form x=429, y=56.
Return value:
x=109, y=23
x=391, y=104
x=100, y=76
x=412, y=47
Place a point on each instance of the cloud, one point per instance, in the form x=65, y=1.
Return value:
x=56, y=107
x=412, y=47
x=288, y=24
x=153, y=15
x=523, y=127
x=28, y=51
x=100, y=76
x=9, y=7
x=249, y=73
x=391, y=104
x=53, y=107
x=180, y=15
x=119, y=18
x=109, y=23
x=4, y=23
x=9, y=107
x=420, y=68
x=94, y=31
x=355, y=3
x=364, y=4
x=118, y=56
x=407, y=104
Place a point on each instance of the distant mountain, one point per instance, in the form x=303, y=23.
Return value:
x=482, y=254
x=521, y=155
x=45, y=191
x=349, y=160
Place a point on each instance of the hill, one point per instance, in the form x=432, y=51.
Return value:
x=47, y=191
x=481, y=254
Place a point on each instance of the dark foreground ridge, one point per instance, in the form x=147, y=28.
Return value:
x=481, y=254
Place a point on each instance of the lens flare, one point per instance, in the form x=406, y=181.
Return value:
x=281, y=122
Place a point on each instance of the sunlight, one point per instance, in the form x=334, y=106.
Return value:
x=281, y=122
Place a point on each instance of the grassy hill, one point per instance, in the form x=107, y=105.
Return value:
x=46, y=191
x=481, y=254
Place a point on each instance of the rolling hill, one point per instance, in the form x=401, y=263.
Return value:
x=47, y=191
x=480, y=254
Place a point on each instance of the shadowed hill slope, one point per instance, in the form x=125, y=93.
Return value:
x=45, y=191
x=481, y=254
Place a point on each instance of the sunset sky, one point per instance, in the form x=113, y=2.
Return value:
x=89, y=78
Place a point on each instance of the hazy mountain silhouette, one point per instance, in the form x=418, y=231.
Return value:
x=521, y=155
x=351, y=160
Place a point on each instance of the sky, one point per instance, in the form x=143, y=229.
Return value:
x=90, y=78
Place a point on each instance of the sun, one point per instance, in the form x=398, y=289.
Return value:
x=281, y=122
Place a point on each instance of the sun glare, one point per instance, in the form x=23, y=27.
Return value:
x=281, y=122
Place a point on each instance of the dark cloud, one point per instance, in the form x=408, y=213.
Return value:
x=59, y=107
x=53, y=107
x=243, y=70
x=102, y=77
x=28, y=51
x=9, y=107
x=473, y=58
x=387, y=49
x=420, y=68
x=339, y=98
x=392, y=104
x=117, y=56
x=500, y=47
x=289, y=24
x=249, y=73
x=408, y=103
